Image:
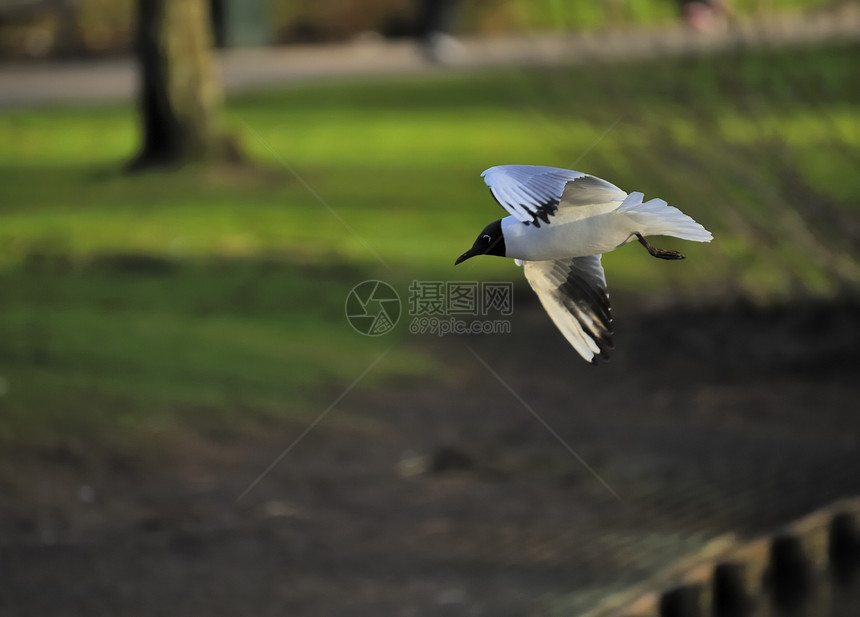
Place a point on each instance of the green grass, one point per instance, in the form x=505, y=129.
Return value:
x=209, y=296
x=130, y=344
x=547, y=14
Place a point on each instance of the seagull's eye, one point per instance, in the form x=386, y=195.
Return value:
x=487, y=237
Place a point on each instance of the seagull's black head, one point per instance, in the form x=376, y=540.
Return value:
x=491, y=241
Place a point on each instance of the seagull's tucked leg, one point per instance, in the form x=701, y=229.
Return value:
x=655, y=252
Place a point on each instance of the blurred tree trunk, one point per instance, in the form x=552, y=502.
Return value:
x=180, y=94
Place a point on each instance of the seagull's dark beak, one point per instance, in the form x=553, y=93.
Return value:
x=464, y=257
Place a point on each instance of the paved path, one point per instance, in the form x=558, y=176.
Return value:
x=115, y=80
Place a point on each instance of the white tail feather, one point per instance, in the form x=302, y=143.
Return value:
x=656, y=218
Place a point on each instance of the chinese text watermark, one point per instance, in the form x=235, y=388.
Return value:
x=440, y=308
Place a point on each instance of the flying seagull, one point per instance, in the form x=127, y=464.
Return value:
x=560, y=223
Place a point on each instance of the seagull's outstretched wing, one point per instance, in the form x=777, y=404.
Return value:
x=533, y=193
x=573, y=292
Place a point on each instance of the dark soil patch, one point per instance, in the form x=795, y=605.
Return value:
x=448, y=497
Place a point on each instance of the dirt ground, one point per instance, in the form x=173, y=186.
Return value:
x=449, y=497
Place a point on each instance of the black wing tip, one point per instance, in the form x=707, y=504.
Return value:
x=603, y=356
x=541, y=213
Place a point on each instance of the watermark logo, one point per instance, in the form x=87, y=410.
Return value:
x=373, y=308
x=436, y=307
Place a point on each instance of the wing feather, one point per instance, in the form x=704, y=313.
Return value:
x=573, y=293
x=534, y=193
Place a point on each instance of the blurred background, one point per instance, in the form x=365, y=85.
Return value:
x=189, y=190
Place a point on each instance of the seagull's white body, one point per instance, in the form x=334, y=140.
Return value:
x=561, y=222
x=598, y=233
